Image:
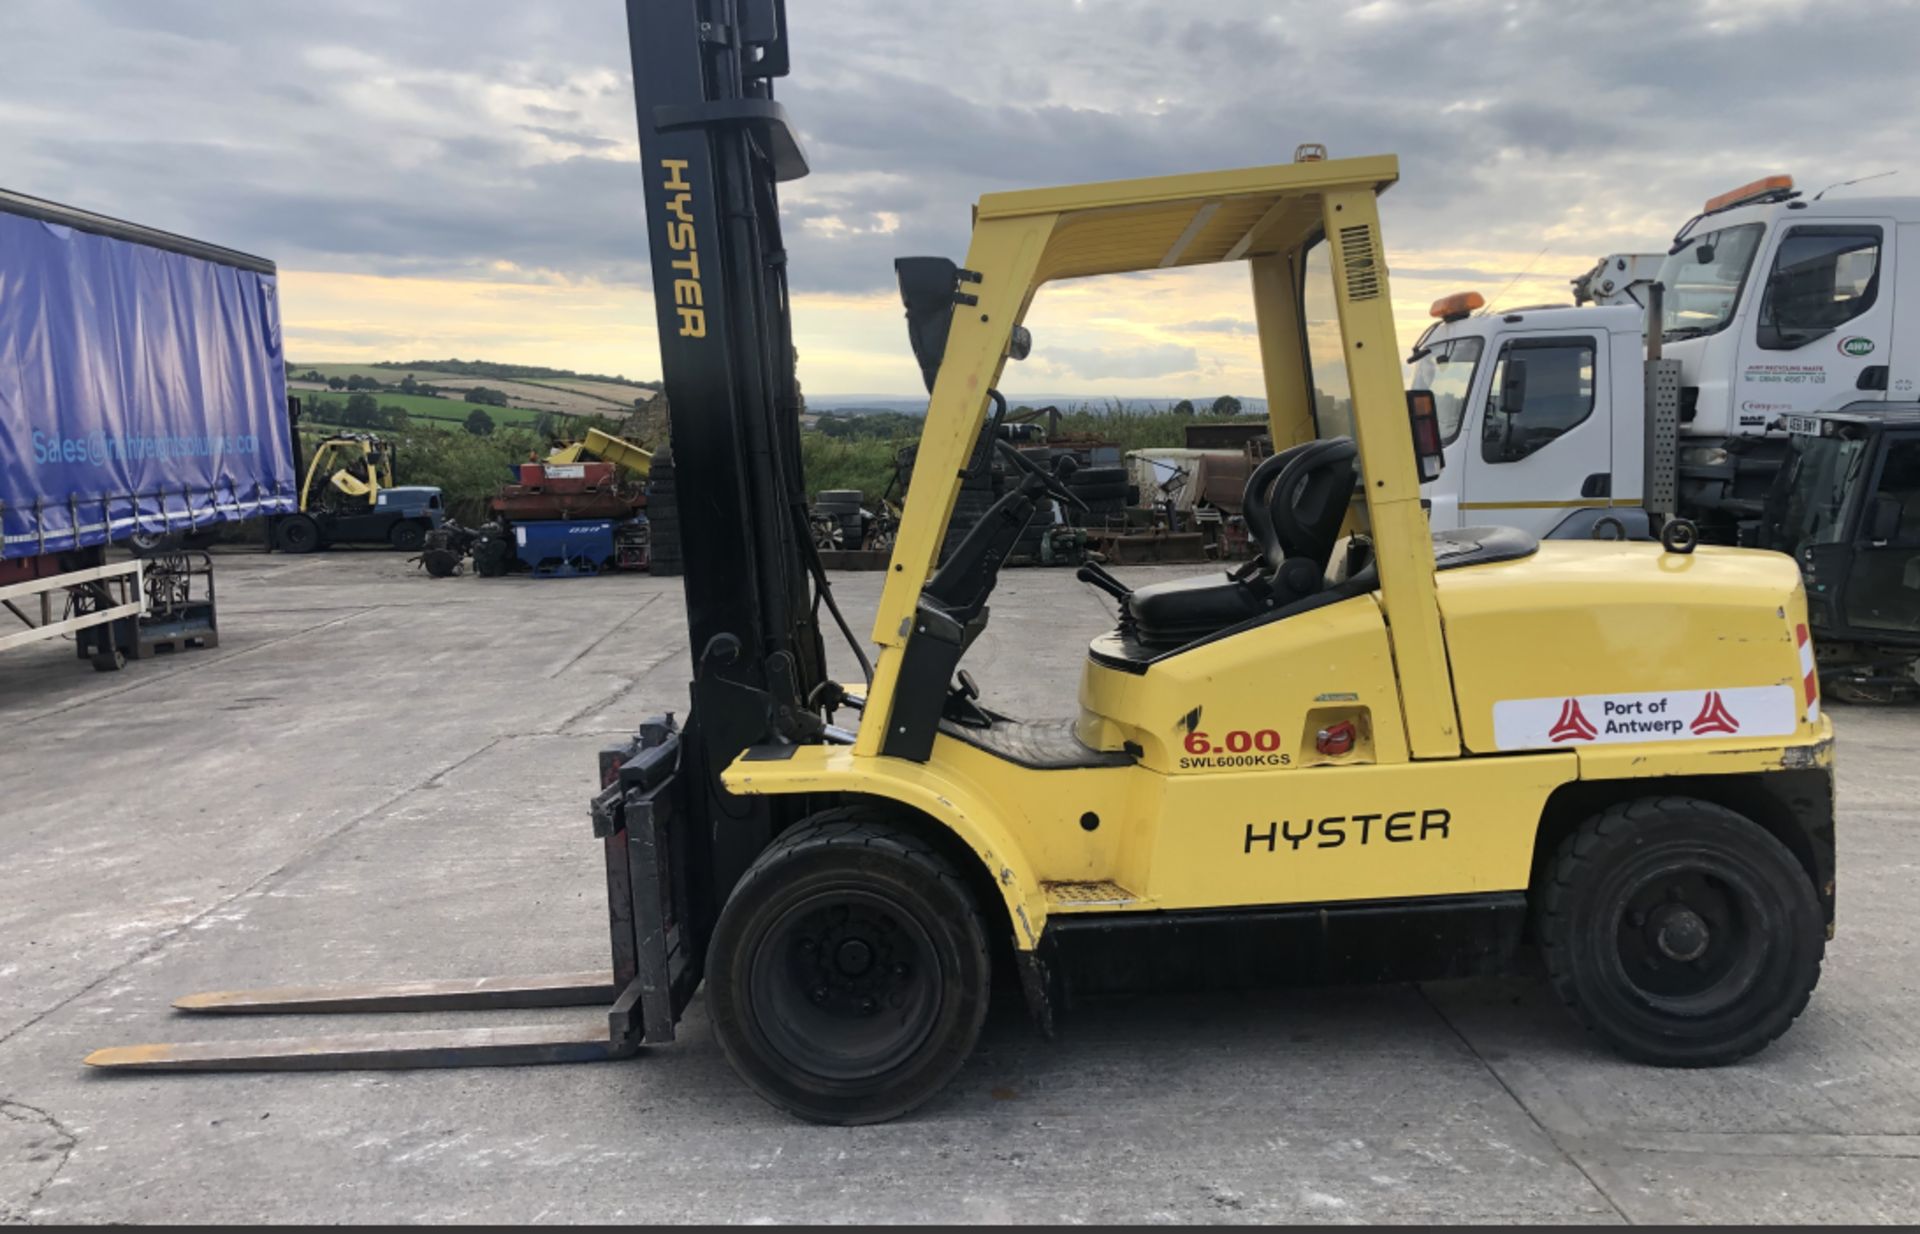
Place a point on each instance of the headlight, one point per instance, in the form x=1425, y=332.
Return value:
x=1703, y=456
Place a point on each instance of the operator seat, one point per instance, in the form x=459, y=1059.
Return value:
x=1294, y=504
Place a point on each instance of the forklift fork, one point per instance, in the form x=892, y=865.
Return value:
x=656, y=965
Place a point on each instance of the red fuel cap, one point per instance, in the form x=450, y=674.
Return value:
x=1335, y=739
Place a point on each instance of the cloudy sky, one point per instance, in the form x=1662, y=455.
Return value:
x=460, y=177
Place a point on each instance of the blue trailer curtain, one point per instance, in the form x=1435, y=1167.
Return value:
x=140, y=389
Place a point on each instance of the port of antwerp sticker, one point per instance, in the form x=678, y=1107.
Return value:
x=1665, y=715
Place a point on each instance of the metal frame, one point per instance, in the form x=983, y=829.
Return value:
x=124, y=578
x=714, y=145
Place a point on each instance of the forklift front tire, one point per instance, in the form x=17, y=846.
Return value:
x=1679, y=932
x=848, y=974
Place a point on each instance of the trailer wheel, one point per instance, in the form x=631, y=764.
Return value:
x=298, y=533
x=112, y=660
x=848, y=974
x=408, y=537
x=1679, y=932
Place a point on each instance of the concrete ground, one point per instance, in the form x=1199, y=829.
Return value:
x=381, y=775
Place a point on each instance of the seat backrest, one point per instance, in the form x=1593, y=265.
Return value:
x=1307, y=502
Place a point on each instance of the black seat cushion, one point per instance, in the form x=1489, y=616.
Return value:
x=1188, y=608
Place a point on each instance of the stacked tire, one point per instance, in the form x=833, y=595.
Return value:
x=663, y=518
x=845, y=507
x=1105, y=490
x=979, y=489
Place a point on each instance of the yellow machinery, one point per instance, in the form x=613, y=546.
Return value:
x=1390, y=754
x=347, y=496
x=1370, y=752
x=354, y=465
x=606, y=448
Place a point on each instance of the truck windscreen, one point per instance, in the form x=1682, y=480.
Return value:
x=1703, y=278
x=1446, y=369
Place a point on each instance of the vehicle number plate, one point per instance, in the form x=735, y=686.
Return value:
x=1806, y=426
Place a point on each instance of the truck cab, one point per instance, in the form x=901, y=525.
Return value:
x=1539, y=413
x=1770, y=306
x=1847, y=507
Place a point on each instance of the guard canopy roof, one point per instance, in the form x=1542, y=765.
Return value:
x=1120, y=226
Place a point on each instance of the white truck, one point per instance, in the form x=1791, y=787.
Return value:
x=1775, y=314
x=1773, y=306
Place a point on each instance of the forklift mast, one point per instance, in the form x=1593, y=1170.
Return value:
x=714, y=144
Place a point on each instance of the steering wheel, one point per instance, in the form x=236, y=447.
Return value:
x=1055, y=481
x=1296, y=500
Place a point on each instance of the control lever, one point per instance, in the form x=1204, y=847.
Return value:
x=1097, y=576
x=963, y=703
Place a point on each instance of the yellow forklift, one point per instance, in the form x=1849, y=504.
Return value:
x=347, y=496
x=1370, y=753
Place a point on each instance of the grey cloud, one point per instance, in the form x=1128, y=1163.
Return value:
x=1094, y=363
x=573, y=137
x=221, y=118
x=1217, y=325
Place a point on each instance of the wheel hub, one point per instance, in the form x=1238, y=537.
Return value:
x=1686, y=939
x=1682, y=934
x=854, y=957
x=848, y=986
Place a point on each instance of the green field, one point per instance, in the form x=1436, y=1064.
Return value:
x=421, y=407
x=377, y=373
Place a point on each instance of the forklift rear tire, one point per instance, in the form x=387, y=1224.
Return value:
x=408, y=537
x=298, y=534
x=848, y=975
x=1680, y=933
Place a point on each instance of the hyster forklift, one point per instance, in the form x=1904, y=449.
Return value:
x=1371, y=752
x=347, y=496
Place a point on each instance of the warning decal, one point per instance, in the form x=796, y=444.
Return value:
x=1665, y=715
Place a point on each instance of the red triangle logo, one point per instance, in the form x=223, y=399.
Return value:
x=1572, y=724
x=1714, y=717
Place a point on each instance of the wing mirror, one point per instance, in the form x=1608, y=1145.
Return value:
x=1020, y=346
x=1513, y=387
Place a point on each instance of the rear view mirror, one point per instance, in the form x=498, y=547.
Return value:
x=1513, y=388
x=1424, y=418
x=1886, y=519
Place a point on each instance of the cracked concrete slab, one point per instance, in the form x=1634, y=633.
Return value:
x=380, y=775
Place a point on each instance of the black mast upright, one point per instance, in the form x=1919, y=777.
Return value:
x=713, y=145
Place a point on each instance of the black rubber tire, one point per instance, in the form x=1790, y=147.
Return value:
x=297, y=533
x=1098, y=477
x=851, y=852
x=1766, y=923
x=441, y=562
x=407, y=537
x=146, y=544
x=1091, y=493
x=839, y=496
x=112, y=660
x=493, y=558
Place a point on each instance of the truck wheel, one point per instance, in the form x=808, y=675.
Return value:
x=847, y=977
x=298, y=534
x=408, y=537
x=1680, y=933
